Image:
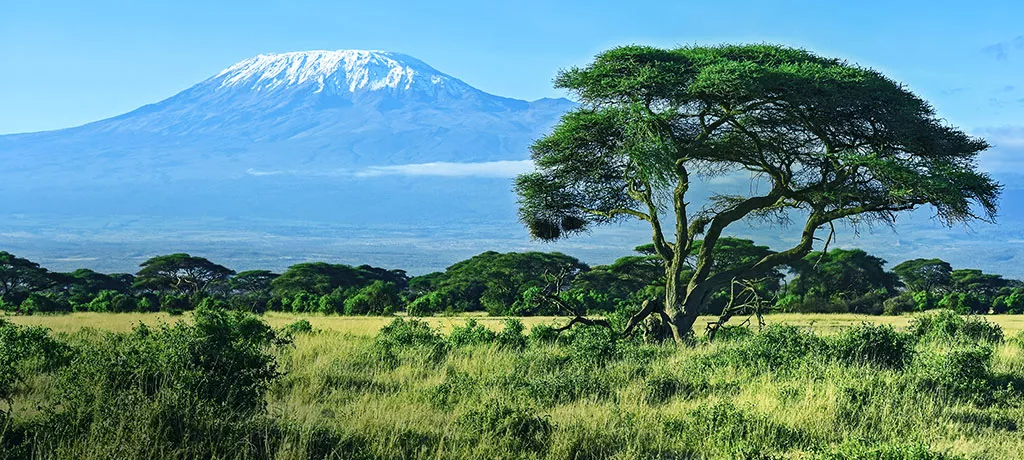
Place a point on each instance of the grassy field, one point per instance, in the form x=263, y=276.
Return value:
x=369, y=325
x=348, y=390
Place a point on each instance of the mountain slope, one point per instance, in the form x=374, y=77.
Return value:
x=316, y=110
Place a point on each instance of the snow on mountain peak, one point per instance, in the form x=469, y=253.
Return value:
x=338, y=71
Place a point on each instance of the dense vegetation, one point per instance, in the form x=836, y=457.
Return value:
x=227, y=386
x=510, y=284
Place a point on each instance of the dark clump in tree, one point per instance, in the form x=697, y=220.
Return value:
x=827, y=141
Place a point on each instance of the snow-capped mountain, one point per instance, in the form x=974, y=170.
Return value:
x=339, y=72
x=314, y=110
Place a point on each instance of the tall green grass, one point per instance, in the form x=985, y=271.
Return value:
x=227, y=386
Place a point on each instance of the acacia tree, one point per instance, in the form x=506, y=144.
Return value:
x=827, y=140
x=925, y=275
x=186, y=274
x=20, y=276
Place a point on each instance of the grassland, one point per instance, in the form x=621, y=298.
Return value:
x=366, y=326
x=349, y=391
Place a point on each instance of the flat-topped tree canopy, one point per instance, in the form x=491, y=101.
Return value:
x=834, y=141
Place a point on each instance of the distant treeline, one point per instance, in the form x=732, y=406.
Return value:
x=507, y=284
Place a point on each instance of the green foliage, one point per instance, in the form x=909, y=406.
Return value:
x=543, y=333
x=961, y=372
x=181, y=274
x=377, y=298
x=842, y=275
x=860, y=450
x=320, y=279
x=197, y=390
x=964, y=303
x=514, y=429
x=112, y=301
x=470, y=333
x=511, y=336
x=925, y=275
x=44, y=303
x=24, y=351
x=301, y=326
x=412, y=332
x=651, y=120
x=778, y=347
x=492, y=281
x=902, y=303
x=947, y=326
x=881, y=346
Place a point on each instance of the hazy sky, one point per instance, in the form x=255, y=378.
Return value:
x=68, y=62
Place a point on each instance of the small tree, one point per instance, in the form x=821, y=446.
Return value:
x=825, y=140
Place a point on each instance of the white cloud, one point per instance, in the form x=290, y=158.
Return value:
x=499, y=169
x=486, y=169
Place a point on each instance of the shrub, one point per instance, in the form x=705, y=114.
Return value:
x=332, y=303
x=301, y=326
x=471, y=333
x=961, y=372
x=194, y=389
x=411, y=332
x=426, y=305
x=730, y=333
x=964, y=303
x=43, y=303
x=25, y=350
x=879, y=345
x=777, y=347
x=511, y=336
x=172, y=303
x=947, y=325
x=591, y=345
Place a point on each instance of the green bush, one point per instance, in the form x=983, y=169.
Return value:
x=511, y=336
x=194, y=389
x=301, y=326
x=879, y=345
x=591, y=345
x=25, y=350
x=777, y=347
x=471, y=333
x=961, y=372
x=410, y=332
x=43, y=303
x=946, y=325
x=543, y=333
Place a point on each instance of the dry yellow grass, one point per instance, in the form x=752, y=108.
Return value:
x=369, y=325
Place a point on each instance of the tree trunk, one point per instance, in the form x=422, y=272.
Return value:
x=681, y=306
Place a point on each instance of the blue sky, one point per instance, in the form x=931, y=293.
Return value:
x=68, y=62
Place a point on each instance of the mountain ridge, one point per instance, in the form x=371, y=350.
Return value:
x=301, y=110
